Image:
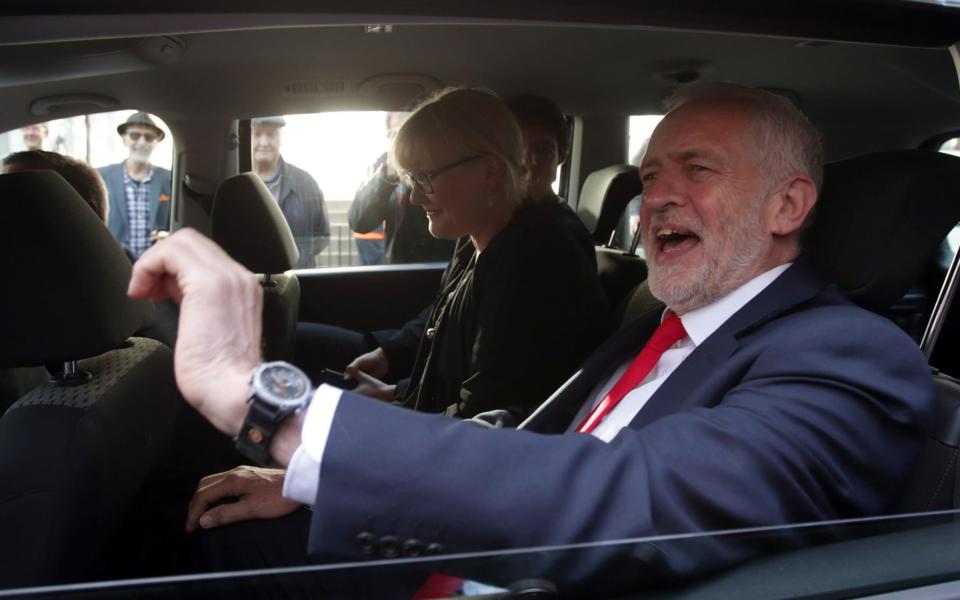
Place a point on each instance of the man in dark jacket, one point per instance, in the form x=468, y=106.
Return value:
x=383, y=201
x=139, y=191
x=293, y=188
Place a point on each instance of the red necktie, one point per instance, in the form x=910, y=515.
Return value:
x=439, y=586
x=667, y=334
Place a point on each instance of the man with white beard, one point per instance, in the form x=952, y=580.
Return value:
x=139, y=191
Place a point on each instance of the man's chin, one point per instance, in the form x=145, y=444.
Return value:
x=675, y=287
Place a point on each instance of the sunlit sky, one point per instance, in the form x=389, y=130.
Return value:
x=641, y=126
x=338, y=149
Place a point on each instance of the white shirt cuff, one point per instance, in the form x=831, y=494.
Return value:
x=303, y=472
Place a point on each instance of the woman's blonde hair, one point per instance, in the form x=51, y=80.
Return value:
x=457, y=123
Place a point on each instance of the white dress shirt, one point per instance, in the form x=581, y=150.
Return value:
x=304, y=470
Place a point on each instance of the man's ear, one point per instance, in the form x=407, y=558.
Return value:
x=791, y=204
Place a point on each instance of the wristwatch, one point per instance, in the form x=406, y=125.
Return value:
x=278, y=390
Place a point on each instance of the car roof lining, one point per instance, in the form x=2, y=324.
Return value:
x=877, y=21
x=588, y=70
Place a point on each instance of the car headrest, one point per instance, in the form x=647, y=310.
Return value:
x=880, y=219
x=604, y=197
x=248, y=224
x=65, y=296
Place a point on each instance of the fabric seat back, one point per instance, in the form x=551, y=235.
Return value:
x=248, y=224
x=73, y=459
x=604, y=197
x=74, y=451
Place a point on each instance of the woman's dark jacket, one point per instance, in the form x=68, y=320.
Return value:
x=511, y=323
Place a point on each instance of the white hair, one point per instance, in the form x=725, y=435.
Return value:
x=786, y=140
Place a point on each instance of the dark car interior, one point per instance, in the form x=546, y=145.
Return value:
x=95, y=442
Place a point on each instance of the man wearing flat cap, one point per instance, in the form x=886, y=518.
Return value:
x=294, y=189
x=139, y=191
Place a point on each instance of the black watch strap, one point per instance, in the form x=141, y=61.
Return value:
x=256, y=433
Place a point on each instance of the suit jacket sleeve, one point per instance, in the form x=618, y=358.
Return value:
x=818, y=427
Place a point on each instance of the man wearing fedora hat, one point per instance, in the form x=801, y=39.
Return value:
x=295, y=190
x=139, y=191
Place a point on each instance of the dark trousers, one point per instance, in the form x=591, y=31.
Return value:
x=318, y=346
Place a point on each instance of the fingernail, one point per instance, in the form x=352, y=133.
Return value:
x=206, y=522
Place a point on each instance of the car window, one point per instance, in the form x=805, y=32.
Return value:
x=340, y=195
x=874, y=551
x=92, y=138
x=133, y=153
x=952, y=146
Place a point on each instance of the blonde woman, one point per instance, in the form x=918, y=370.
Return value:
x=520, y=305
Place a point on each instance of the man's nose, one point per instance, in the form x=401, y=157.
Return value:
x=662, y=191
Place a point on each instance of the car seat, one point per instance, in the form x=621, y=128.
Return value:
x=881, y=220
x=74, y=450
x=603, y=199
x=248, y=224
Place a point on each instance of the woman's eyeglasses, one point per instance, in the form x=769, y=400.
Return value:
x=423, y=181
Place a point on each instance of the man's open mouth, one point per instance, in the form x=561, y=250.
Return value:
x=675, y=240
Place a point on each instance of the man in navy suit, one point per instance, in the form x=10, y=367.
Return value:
x=139, y=191
x=776, y=402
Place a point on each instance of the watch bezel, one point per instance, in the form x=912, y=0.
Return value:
x=265, y=394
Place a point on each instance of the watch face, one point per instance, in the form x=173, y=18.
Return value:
x=282, y=383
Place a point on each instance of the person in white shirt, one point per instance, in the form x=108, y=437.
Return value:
x=761, y=397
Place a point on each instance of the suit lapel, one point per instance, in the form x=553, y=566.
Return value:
x=795, y=286
x=121, y=204
x=676, y=393
x=154, y=199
